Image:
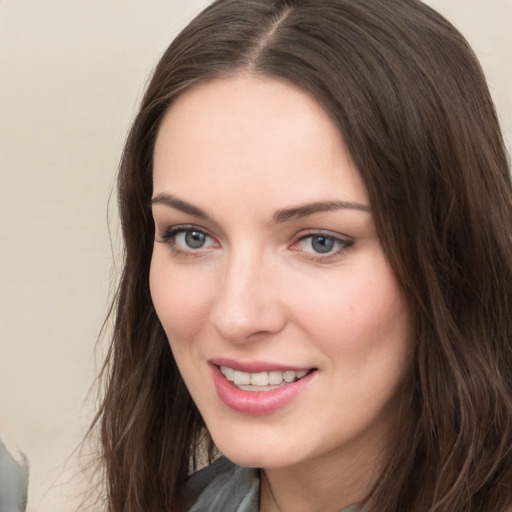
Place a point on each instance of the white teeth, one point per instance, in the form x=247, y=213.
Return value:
x=242, y=378
x=262, y=379
x=275, y=378
x=229, y=373
x=259, y=379
x=289, y=376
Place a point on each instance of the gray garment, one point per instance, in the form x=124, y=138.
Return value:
x=13, y=482
x=226, y=487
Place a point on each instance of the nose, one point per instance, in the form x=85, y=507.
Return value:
x=247, y=305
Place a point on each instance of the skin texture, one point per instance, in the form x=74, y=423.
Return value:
x=241, y=150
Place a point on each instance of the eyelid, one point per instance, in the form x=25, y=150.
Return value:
x=171, y=231
x=169, y=237
x=345, y=242
x=323, y=232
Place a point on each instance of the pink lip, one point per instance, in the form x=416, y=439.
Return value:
x=255, y=366
x=257, y=402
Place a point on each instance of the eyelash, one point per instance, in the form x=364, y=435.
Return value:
x=342, y=243
x=170, y=234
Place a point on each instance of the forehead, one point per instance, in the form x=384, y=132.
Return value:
x=257, y=134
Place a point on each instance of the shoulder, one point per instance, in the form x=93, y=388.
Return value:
x=223, y=487
x=13, y=480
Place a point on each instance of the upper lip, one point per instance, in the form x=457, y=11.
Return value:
x=256, y=366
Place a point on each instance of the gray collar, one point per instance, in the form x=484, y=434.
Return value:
x=226, y=487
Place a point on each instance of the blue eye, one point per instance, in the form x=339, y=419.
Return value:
x=320, y=244
x=192, y=239
x=183, y=239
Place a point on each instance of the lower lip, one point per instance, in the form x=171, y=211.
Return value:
x=257, y=402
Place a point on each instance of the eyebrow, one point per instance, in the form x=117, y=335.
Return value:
x=299, y=212
x=280, y=216
x=179, y=204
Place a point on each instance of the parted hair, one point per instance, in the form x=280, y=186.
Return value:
x=412, y=105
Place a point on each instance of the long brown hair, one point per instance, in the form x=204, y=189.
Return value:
x=411, y=102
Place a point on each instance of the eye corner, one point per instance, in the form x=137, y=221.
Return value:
x=321, y=246
x=187, y=240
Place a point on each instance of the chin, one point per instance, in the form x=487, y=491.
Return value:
x=256, y=454
x=254, y=459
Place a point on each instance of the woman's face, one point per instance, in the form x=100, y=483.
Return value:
x=285, y=319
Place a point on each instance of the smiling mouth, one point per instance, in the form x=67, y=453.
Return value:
x=262, y=381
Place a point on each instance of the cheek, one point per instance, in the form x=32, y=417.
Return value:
x=180, y=296
x=363, y=315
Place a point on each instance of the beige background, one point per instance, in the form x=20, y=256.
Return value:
x=71, y=74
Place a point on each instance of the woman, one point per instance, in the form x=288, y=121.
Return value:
x=317, y=212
